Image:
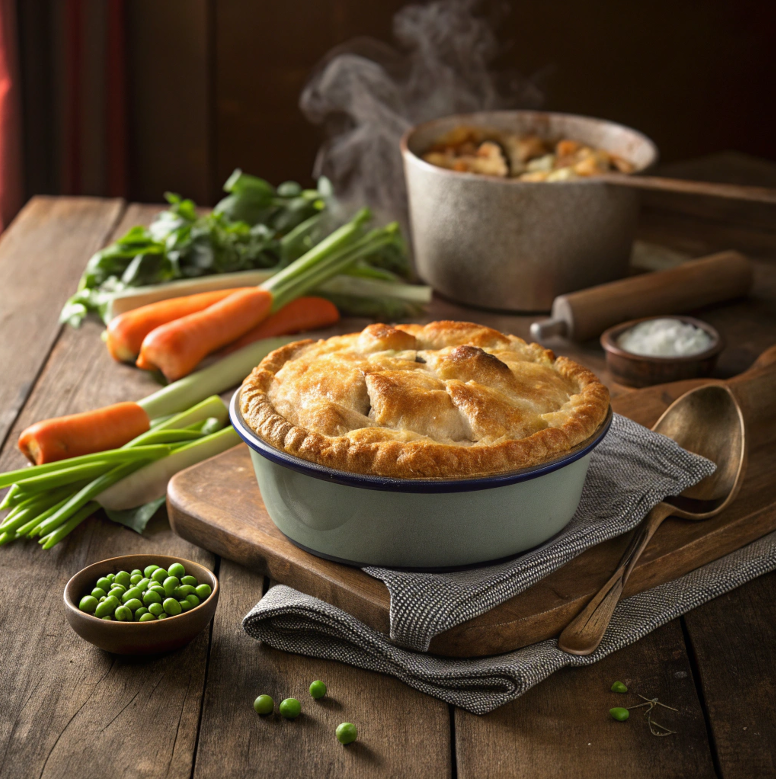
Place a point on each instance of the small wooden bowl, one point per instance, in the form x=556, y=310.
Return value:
x=639, y=370
x=138, y=638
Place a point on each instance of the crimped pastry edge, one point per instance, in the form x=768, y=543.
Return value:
x=419, y=459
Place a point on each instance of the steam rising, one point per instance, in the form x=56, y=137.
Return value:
x=366, y=94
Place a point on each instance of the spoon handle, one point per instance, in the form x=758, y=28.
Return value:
x=585, y=632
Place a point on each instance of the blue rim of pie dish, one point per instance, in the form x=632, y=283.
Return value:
x=429, y=486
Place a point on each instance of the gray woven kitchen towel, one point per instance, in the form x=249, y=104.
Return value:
x=288, y=620
x=631, y=471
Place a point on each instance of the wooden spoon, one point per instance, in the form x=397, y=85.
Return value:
x=707, y=421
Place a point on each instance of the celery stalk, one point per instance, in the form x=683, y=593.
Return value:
x=219, y=377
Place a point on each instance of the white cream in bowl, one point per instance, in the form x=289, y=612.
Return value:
x=664, y=338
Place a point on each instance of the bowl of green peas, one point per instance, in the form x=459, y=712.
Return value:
x=141, y=604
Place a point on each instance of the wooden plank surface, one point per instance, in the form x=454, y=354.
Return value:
x=733, y=641
x=401, y=731
x=41, y=258
x=562, y=729
x=70, y=709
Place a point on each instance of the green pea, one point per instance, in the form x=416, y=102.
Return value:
x=88, y=604
x=108, y=606
x=176, y=569
x=104, y=597
x=122, y=577
x=111, y=577
x=135, y=578
x=140, y=612
x=172, y=607
x=203, y=591
x=151, y=596
x=190, y=580
x=159, y=575
x=346, y=733
x=264, y=705
x=135, y=571
x=117, y=588
x=143, y=584
x=109, y=618
x=131, y=593
x=170, y=583
x=104, y=583
x=619, y=687
x=163, y=615
x=147, y=617
x=123, y=614
x=619, y=713
x=133, y=604
x=192, y=600
x=317, y=689
x=183, y=591
x=290, y=708
x=185, y=605
x=98, y=593
x=156, y=609
x=149, y=569
x=156, y=588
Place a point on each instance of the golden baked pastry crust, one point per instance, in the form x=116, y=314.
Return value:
x=446, y=400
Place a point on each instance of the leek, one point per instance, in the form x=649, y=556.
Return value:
x=149, y=483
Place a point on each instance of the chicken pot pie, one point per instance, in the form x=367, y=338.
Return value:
x=447, y=400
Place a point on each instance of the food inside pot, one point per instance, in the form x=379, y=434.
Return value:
x=493, y=152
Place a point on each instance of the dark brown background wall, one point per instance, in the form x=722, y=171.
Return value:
x=214, y=84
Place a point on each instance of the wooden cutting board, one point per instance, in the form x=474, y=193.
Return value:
x=217, y=505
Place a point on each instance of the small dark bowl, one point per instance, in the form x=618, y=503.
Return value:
x=138, y=638
x=639, y=370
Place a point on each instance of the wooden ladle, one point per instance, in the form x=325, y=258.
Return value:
x=707, y=421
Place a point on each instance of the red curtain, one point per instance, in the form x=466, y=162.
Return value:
x=11, y=188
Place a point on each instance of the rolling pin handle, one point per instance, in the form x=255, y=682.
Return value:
x=548, y=328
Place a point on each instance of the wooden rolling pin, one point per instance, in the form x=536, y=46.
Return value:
x=703, y=282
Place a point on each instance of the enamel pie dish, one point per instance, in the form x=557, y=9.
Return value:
x=420, y=447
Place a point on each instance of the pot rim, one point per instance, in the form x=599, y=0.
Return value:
x=428, y=486
x=473, y=118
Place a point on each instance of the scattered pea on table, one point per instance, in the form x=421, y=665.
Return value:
x=619, y=687
x=619, y=713
x=346, y=733
x=264, y=705
x=290, y=708
x=317, y=689
x=151, y=594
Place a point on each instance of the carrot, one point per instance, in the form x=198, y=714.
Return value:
x=176, y=348
x=91, y=431
x=301, y=314
x=127, y=331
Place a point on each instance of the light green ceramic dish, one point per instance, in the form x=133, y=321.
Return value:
x=418, y=524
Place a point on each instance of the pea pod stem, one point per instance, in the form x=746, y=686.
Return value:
x=53, y=538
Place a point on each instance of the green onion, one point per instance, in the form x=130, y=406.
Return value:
x=114, y=455
x=52, y=539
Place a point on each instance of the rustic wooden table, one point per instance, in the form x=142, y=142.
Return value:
x=68, y=709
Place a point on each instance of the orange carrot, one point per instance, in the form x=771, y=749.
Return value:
x=301, y=314
x=176, y=348
x=127, y=331
x=85, y=433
